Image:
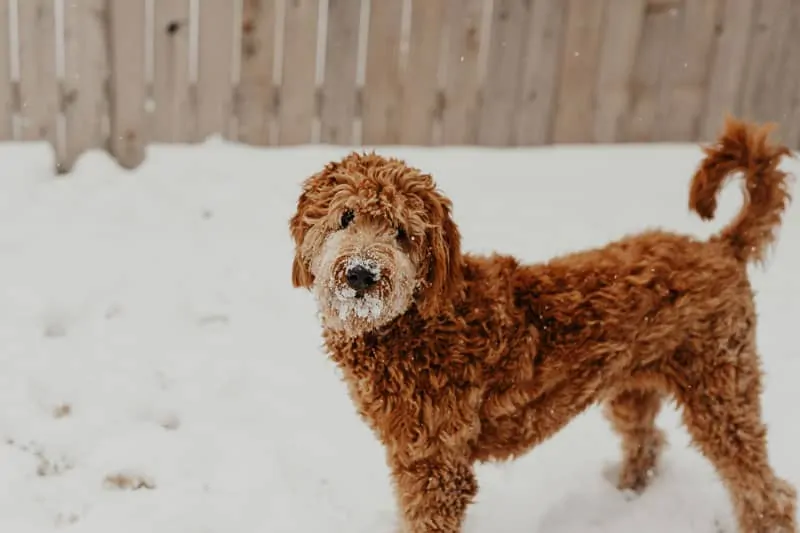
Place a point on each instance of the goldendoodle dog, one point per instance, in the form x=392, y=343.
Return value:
x=453, y=358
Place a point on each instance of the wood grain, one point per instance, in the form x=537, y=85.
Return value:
x=382, y=83
x=86, y=73
x=128, y=135
x=298, y=106
x=341, y=62
x=173, y=120
x=575, y=107
x=498, y=109
x=215, y=49
x=256, y=93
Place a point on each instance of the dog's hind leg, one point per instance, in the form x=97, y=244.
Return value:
x=632, y=413
x=721, y=410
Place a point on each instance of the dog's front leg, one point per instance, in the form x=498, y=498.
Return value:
x=433, y=492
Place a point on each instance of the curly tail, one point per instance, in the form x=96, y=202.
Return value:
x=744, y=147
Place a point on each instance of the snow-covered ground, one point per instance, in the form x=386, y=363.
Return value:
x=159, y=374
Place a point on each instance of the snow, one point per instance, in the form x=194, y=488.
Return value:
x=158, y=372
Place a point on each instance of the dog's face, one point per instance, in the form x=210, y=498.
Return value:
x=372, y=238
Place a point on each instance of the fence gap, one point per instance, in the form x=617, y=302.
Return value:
x=361, y=69
x=6, y=80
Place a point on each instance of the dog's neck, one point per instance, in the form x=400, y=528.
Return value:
x=337, y=340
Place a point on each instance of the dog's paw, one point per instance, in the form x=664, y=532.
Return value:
x=628, y=478
x=634, y=479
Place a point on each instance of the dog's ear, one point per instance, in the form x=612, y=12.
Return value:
x=444, y=279
x=309, y=208
x=301, y=273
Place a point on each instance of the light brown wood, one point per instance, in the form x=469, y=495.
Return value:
x=639, y=123
x=539, y=77
x=726, y=68
x=6, y=87
x=38, y=84
x=255, y=94
x=790, y=98
x=173, y=120
x=622, y=33
x=215, y=50
x=498, y=105
x=683, y=85
x=420, y=90
x=86, y=73
x=297, y=103
x=787, y=77
x=381, y=93
x=339, y=89
x=763, y=76
x=128, y=135
x=575, y=107
x=556, y=71
x=462, y=87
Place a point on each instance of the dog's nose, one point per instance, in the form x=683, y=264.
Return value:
x=360, y=278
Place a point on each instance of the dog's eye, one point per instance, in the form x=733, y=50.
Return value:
x=347, y=218
x=401, y=235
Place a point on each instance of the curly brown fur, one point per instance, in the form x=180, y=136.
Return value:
x=453, y=358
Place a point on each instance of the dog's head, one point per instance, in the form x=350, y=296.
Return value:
x=373, y=237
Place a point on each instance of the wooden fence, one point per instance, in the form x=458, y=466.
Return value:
x=119, y=74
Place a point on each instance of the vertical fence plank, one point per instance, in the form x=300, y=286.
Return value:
x=538, y=90
x=623, y=30
x=6, y=89
x=788, y=88
x=420, y=89
x=381, y=94
x=686, y=75
x=255, y=95
x=215, y=49
x=639, y=121
x=770, y=28
x=341, y=63
x=297, y=103
x=86, y=70
x=729, y=51
x=38, y=82
x=172, y=120
x=462, y=72
x=575, y=107
x=498, y=105
x=127, y=114
x=790, y=99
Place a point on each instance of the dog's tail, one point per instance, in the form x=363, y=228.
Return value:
x=744, y=147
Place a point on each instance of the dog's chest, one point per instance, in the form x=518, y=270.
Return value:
x=401, y=391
